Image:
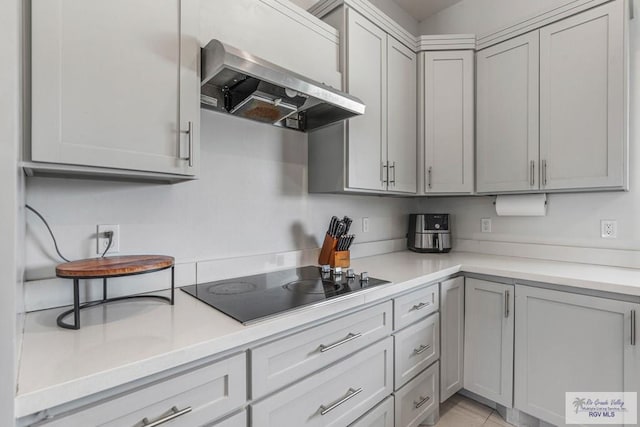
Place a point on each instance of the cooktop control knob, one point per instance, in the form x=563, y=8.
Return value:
x=337, y=271
x=351, y=274
x=326, y=268
x=364, y=277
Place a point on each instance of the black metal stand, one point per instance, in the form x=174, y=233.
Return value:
x=77, y=306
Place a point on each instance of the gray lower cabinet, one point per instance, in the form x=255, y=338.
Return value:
x=567, y=342
x=334, y=397
x=451, y=337
x=411, y=307
x=416, y=348
x=282, y=362
x=380, y=416
x=418, y=400
x=191, y=399
x=237, y=420
x=488, y=340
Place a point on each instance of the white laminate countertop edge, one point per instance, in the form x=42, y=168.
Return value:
x=121, y=343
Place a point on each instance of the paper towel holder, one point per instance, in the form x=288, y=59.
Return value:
x=523, y=205
x=546, y=202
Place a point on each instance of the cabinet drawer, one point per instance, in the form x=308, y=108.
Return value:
x=414, y=306
x=334, y=397
x=281, y=362
x=211, y=392
x=238, y=420
x=418, y=399
x=380, y=416
x=416, y=347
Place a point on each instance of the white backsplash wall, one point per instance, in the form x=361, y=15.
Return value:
x=573, y=220
x=251, y=198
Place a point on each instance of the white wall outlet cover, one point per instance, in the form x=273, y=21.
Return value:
x=365, y=225
x=608, y=229
x=103, y=242
x=485, y=225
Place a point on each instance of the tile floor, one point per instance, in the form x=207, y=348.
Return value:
x=459, y=411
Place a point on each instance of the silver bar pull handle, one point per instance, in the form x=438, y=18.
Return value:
x=353, y=392
x=506, y=304
x=393, y=166
x=175, y=413
x=420, y=306
x=421, y=402
x=421, y=349
x=429, y=177
x=633, y=327
x=384, y=173
x=189, y=132
x=544, y=173
x=349, y=337
x=532, y=179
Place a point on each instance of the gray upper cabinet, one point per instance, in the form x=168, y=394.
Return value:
x=366, y=77
x=401, y=117
x=552, y=107
x=448, y=122
x=582, y=100
x=567, y=342
x=507, y=116
x=488, y=340
x=375, y=152
x=111, y=90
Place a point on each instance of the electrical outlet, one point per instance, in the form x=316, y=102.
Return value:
x=608, y=229
x=103, y=242
x=485, y=225
x=365, y=225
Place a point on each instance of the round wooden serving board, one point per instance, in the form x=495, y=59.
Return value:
x=113, y=266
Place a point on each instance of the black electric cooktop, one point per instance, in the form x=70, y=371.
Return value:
x=253, y=298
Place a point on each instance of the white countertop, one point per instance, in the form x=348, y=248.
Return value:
x=122, y=342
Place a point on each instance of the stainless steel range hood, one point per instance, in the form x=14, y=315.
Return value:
x=238, y=83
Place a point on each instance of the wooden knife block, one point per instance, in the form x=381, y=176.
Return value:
x=340, y=259
x=328, y=248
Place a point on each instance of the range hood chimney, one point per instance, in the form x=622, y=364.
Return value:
x=240, y=84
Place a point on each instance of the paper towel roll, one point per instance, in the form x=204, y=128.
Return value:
x=522, y=205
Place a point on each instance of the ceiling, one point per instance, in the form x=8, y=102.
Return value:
x=421, y=9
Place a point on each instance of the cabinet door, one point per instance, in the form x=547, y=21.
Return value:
x=488, y=340
x=451, y=337
x=568, y=342
x=106, y=85
x=448, y=121
x=507, y=115
x=582, y=100
x=401, y=117
x=367, y=79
